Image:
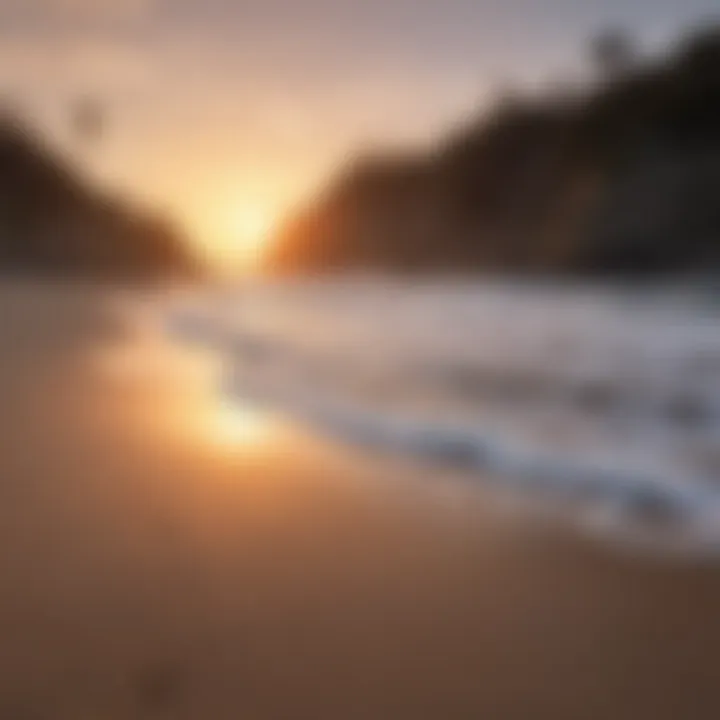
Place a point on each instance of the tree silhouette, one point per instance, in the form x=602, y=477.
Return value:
x=613, y=53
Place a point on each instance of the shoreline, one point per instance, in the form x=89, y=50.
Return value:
x=151, y=567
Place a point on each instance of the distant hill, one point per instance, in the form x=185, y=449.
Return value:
x=53, y=222
x=620, y=177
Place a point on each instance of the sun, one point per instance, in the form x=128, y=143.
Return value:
x=241, y=238
x=252, y=225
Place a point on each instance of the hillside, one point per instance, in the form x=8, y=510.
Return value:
x=623, y=176
x=53, y=222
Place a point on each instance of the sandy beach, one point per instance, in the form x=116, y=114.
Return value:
x=157, y=562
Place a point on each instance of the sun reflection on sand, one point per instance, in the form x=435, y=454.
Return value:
x=174, y=392
x=241, y=426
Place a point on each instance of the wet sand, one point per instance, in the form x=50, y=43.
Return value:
x=151, y=567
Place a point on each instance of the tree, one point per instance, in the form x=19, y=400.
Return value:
x=613, y=53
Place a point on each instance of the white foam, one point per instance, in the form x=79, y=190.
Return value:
x=602, y=400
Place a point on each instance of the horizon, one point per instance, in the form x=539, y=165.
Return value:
x=227, y=117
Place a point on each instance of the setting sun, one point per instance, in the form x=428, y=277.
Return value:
x=237, y=238
x=248, y=233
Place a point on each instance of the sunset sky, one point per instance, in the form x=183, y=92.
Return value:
x=226, y=112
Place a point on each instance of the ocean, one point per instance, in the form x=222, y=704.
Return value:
x=600, y=403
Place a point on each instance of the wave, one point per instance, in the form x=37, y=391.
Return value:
x=591, y=398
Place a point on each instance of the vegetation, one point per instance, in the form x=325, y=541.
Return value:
x=623, y=176
x=52, y=222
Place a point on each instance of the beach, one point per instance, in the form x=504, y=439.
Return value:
x=160, y=561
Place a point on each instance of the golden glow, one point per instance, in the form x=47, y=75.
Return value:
x=235, y=239
x=241, y=426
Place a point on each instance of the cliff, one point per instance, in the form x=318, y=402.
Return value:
x=623, y=176
x=53, y=222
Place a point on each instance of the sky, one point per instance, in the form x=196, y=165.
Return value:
x=226, y=113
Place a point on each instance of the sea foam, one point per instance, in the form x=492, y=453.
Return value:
x=602, y=400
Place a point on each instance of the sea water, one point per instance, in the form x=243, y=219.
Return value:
x=601, y=400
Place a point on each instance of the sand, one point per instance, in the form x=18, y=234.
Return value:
x=151, y=566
